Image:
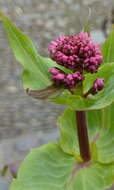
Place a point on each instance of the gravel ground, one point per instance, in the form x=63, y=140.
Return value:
x=25, y=122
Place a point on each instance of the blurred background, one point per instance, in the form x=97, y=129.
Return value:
x=25, y=122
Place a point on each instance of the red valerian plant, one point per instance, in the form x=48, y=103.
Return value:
x=80, y=75
x=78, y=53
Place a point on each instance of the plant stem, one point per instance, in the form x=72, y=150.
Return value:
x=83, y=136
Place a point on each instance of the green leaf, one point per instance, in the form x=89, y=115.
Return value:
x=68, y=130
x=31, y=79
x=104, y=98
x=94, y=121
x=26, y=54
x=105, y=143
x=36, y=68
x=108, y=48
x=49, y=167
x=108, y=118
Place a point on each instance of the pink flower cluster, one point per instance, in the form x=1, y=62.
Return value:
x=67, y=80
x=76, y=52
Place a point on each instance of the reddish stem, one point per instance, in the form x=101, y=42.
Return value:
x=83, y=136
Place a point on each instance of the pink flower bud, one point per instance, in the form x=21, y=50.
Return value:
x=66, y=80
x=72, y=80
x=97, y=86
x=54, y=71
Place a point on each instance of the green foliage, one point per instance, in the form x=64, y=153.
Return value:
x=58, y=166
x=105, y=145
x=106, y=142
x=49, y=167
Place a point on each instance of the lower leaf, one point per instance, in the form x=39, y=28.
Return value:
x=49, y=167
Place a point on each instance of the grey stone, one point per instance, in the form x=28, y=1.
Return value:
x=4, y=184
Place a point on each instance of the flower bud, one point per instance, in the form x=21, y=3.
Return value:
x=66, y=80
x=97, y=86
x=72, y=80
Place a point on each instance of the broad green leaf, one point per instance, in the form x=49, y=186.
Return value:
x=68, y=131
x=94, y=121
x=26, y=54
x=105, y=143
x=108, y=54
x=100, y=126
x=104, y=98
x=36, y=68
x=105, y=147
x=108, y=48
x=49, y=167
